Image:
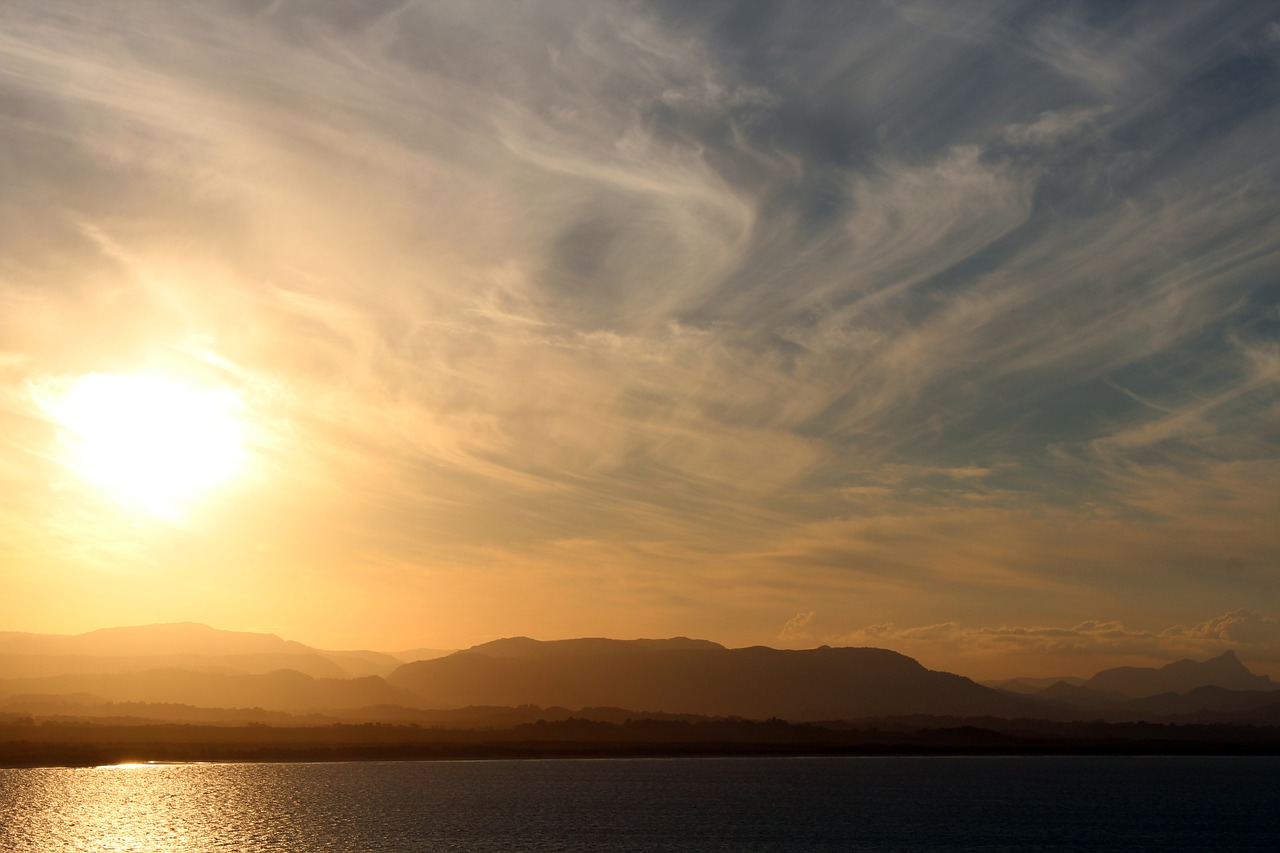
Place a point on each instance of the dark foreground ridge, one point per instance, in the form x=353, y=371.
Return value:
x=28, y=744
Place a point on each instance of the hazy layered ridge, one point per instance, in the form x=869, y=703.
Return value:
x=677, y=676
x=181, y=646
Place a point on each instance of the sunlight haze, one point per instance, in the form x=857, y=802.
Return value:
x=148, y=441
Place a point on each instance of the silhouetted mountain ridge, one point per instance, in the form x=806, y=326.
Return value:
x=199, y=666
x=1181, y=676
x=1031, y=685
x=524, y=647
x=186, y=645
x=696, y=677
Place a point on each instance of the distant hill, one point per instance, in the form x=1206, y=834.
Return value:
x=1202, y=705
x=1076, y=694
x=284, y=690
x=1218, y=690
x=1182, y=676
x=411, y=655
x=697, y=677
x=167, y=638
x=1031, y=685
x=181, y=645
x=45, y=666
x=1202, y=699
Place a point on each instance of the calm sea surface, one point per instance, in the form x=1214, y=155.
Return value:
x=706, y=805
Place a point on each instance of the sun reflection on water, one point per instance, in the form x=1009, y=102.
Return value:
x=131, y=807
x=724, y=805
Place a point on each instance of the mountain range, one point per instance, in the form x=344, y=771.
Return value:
x=1225, y=671
x=699, y=677
x=188, y=646
x=172, y=671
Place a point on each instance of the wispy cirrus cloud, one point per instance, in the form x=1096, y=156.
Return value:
x=915, y=305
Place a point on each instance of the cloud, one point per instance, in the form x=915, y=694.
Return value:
x=1243, y=628
x=1254, y=634
x=796, y=627
x=1051, y=128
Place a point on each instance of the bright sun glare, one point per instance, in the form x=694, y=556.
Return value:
x=150, y=442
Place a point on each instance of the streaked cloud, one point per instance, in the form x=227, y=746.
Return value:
x=1253, y=635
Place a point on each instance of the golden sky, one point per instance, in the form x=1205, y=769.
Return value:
x=946, y=328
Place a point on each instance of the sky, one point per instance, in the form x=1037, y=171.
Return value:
x=951, y=328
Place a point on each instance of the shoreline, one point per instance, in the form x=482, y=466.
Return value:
x=85, y=743
x=58, y=755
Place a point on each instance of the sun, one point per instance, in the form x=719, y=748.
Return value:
x=150, y=442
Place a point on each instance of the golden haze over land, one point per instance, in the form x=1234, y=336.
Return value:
x=950, y=330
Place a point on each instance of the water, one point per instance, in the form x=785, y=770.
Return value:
x=705, y=805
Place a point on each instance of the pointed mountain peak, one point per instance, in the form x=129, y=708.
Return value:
x=1225, y=662
x=1225, y=671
